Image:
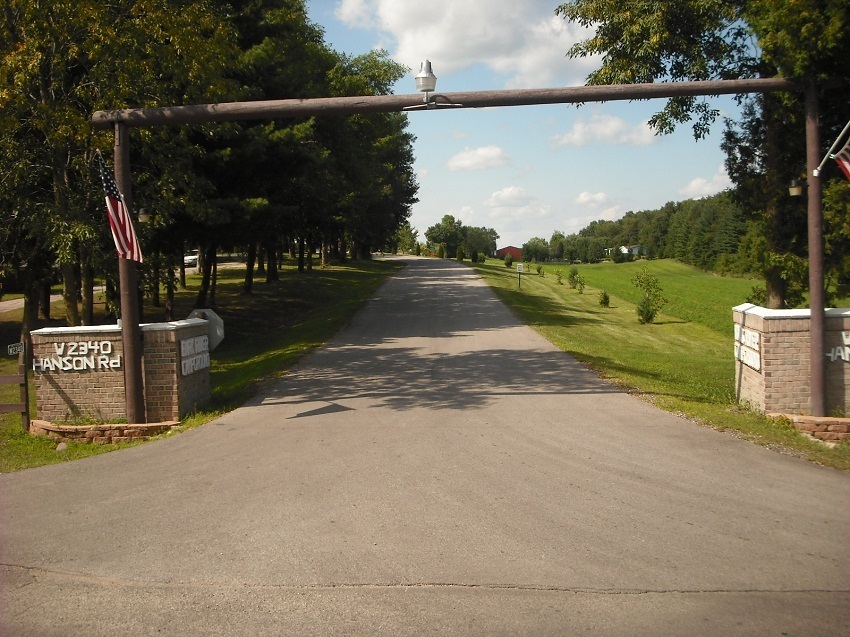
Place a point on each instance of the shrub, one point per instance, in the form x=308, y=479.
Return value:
x=604, y=299
x=540, y=270
x=645, y=311
x=652, y=300
x=509, y=260
x=572, y=277
x=482, y=258
x=441, y=251
x=580, y=283
x=474, y=256
x=459, y=253
x=559, y=275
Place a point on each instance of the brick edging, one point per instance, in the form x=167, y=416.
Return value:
x=821, y=427
x=100, y=434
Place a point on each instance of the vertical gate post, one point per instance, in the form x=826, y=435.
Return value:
x=816, y=274
x=131, y=332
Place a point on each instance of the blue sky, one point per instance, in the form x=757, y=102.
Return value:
x=525, y=171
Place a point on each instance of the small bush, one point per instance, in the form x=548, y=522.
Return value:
x=580, y=283
x=540, y=270
x=604, y=299
x=459, y=253
x=645, y=311
x=652, y=301
x=482, y=258
x=572, y=277
x=559, y=276
x=441, y=251
x=509, y=260
x=474, y=256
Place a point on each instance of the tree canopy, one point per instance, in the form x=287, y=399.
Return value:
x=343, y=183
x=642, y=41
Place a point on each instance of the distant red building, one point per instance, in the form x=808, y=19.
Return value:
x=515, y=252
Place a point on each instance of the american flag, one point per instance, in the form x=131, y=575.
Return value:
x=126, y=244
x=842, y=157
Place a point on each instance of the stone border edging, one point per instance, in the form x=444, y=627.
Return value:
x=826, y=428
x=100, y=434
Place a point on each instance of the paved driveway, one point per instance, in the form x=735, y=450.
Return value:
x=437, y=469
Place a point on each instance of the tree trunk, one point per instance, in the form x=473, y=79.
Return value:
x=209, y=257
x=261, y=260
x=43, y=304
x=70, y=287
x=774, y=283
x=170, y=284
x=87, y=281
x=31, y=300
x=214, y=281
x=300, y=254
x=248, y=286
x=271, y=267
x=155, y=275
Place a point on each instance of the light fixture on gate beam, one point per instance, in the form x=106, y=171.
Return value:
x=795, y=188
x=426, y=82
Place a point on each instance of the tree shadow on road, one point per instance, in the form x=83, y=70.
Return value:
x=395, y=355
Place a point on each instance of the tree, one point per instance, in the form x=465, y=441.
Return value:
x=651, y=300
x=480, y=240
x=406, y=238
x=60, y=62
x=713, y=39
x=448, y=233
x=556, y=246
x=535, y=249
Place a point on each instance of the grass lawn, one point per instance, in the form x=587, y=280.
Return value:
x=682, y=363
x=266, y=333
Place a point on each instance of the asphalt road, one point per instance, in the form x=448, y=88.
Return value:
x=437, y=469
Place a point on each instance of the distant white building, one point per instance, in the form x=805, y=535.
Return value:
x=635, y=251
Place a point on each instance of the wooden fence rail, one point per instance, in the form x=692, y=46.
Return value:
x=21, y=407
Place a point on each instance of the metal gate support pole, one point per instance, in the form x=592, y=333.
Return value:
x=131, y=332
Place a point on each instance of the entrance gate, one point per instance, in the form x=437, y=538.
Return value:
x=122, y=120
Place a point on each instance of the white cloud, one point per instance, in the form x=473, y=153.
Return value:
x=478, y=159
x=359, y=14
x=701, y=187
x=515, y=207
x=607, y=129
x=510, y=196
x=521, y=39
x=578, y=223
x=591, y=199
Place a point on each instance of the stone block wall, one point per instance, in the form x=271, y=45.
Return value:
x=79, y=372
x=772, y=366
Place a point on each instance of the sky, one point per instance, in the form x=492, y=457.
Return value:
x=525, y=171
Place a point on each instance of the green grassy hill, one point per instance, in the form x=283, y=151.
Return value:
x=693, y=295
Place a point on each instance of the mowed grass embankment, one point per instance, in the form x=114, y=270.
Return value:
x=266, y=333
x=682, y=363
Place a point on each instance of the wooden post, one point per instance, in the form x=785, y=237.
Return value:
x=816, y=274
x=131, y=332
